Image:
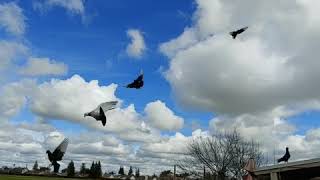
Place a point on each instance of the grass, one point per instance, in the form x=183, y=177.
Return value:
x=15, y=177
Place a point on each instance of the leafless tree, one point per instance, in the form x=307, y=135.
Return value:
x=223, y=155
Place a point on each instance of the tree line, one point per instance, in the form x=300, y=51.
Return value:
x=95, y=171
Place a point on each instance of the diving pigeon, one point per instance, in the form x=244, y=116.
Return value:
x=285, y=157
x=58, y=154
x=137, y=83
x=239, y=31
x=98, y=113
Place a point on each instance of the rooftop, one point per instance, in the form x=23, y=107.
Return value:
x=289, y=166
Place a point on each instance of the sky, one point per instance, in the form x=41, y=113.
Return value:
x=61, y=58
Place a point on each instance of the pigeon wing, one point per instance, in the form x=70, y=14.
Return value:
x=106, y=106
x=140, y=78
x=136, y=82
x=60, y=150
x=131, y=85
x=242, y=30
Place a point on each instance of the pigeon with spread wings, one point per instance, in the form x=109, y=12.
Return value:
x=234, y=34
x=57, y=154
x=99, y=112
x=137, y=83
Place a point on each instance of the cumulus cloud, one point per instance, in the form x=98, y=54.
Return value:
x=43, y=66
x=13, y=97
x=117, y=144
x=69, y=99
x=12, y=18
x=160, y=116
x=252, y=83
x=137, y=46
x=171, y=148
x=10, y=51
x=25, y=143
x=254, y=73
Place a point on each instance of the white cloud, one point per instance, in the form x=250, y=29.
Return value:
x=170, y=148
x=69, y=99
x=160, y=116
x=262, y=69
x=12, y=18
x=43, y=66
x=74, y=7
x=13, y=97
x=115, y=144
x=137, y=46
x=253, y=83
x=10, y=51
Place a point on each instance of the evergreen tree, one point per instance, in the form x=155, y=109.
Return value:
x=130, y=171
x=70, y=169
x=92, y=169
x=83, y=169
x=35, y=166
x=95, y=169
x=99, y=170
x=121, y=171
x=137, y=172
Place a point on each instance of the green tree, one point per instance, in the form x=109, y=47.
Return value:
x=121, y=171
x=35, y=166
x=137, y=172
x=98, y=170
x=70, y=169
x=92, y=169
x=83, y=169
x=130, y=171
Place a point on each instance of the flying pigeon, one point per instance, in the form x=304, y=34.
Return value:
x=58, y=154
x=237, y=32
x=285, y=157
x=98, y=113
x=137, y=83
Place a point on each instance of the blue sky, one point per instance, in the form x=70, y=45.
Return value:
x=96, y=49
x=198, y=80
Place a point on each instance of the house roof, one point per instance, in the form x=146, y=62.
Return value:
x=289, y=166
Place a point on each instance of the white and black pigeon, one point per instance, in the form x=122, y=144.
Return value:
x=98, y=113
x=234, y=34
x=57, y=154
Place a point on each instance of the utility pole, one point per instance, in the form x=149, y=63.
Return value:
x=204, y=172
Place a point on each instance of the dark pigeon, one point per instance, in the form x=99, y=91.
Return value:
x=137, y=83
x=99, y=114
x=234, y=34
x=58, y=154
x=285, y=157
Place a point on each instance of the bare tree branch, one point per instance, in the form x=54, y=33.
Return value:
x=223, y=154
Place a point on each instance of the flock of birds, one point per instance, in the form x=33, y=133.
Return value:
x=99, y=114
